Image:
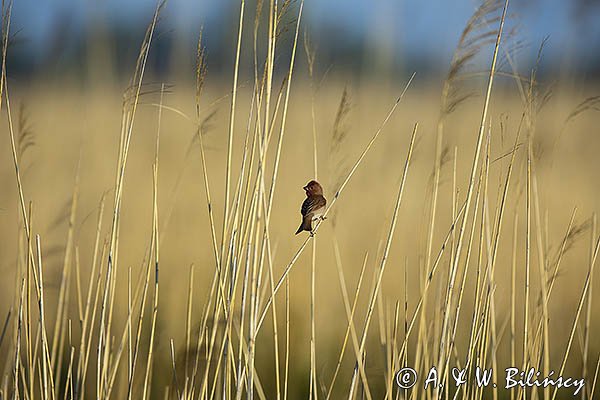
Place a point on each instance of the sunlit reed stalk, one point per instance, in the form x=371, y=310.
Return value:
x=313, y=363
x=350, y=312
x=232, y=124
x=128, y=118
x=578, y=313
x=188, y=331
x=287, y=340
x=200, y=77
x=513, y=297
x=65, y=278
x=484, y=115
x=129, y=327
x=47, y=378
x=26, y=213
x=468, y=363
x=156, y=258
x=18, y=342
x=477, y=319
x=593, y=388
x=88, y=321
x=385, y=253
x=526, y=357
x=588, y=316
x=430, y=275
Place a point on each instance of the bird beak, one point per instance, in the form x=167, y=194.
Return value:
x=305, y=188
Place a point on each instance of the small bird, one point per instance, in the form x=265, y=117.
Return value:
x=313, y=206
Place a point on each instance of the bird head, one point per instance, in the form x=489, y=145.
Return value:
x=313, y=188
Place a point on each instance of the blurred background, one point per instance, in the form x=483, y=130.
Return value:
x=379, y=38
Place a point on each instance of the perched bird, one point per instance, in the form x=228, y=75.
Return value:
x=313, y=206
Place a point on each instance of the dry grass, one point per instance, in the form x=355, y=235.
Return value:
x=169, y=268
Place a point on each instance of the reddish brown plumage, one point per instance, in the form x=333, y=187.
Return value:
x=313, y=206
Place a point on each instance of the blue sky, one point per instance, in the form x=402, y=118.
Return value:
x=432, y=26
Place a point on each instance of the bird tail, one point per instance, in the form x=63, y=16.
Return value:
x=306, y=225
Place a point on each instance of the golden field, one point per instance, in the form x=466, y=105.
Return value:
x=69, y=169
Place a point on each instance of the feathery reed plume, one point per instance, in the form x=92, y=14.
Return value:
x=589, y=104
x=284, y=26
x=25, y=133
x=201, y=71
x=339, y=134
x=475, y=36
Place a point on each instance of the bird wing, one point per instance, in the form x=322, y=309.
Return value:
x=312, y=203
